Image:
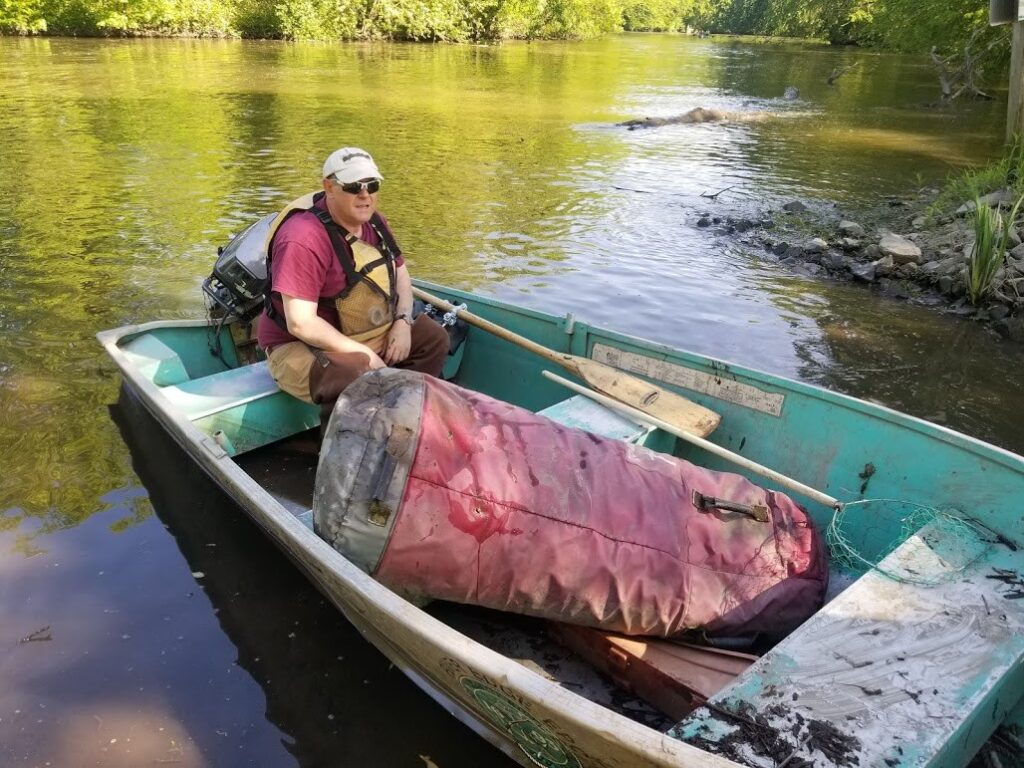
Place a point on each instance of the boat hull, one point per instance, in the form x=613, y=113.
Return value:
x=840, y=445
x=532, y=720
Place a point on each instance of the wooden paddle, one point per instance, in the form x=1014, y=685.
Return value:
x=642, y=395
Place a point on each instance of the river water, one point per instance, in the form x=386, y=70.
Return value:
x=144, y=620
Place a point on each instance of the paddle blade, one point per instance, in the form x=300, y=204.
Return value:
x=649, y=398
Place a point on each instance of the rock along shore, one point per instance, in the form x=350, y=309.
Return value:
x=907, y=252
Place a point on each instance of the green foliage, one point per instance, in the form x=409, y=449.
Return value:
x=256, y=19
x=22, y=17
x=905, y=25
x=106, y=17
x=947, y=26
x=440, y=20
x=839, y=21
x=991, y=240
x=655, y=15
x=911, y=25
x=918, y=25
x=318, y=19
x=559, y=19
x=434, y=20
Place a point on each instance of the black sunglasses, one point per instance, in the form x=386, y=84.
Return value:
x=355, y=187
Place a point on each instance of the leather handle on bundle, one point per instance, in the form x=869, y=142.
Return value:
x=644, y=396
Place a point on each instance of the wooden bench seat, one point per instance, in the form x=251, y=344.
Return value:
x=897, y=674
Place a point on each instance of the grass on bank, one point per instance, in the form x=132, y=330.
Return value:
x=1005, y=173
x=991, y=242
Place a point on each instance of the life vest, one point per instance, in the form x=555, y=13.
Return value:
x=366, y=306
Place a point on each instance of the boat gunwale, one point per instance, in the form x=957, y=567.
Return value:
x=948, y=435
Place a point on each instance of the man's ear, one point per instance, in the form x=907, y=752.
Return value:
x=327, y=184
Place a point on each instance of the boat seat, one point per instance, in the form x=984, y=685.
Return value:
x=198, y=398
x=672, y=677
x=892, y=673
x=242, y=408
x=155, y=360
x=581, y=412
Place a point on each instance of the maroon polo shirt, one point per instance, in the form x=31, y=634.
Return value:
x=305, y=266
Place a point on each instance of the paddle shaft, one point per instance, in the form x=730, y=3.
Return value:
x=566, y=361
x=717, y=450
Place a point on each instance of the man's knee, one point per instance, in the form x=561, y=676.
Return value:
x=290, y=366
x=327, y=382
x=434, y=337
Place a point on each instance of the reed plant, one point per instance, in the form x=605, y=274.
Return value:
x=991, y=240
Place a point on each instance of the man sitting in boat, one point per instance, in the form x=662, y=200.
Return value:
x=340, y=299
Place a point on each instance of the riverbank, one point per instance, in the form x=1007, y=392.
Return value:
x=392, y=20
x=907, y=27
x=912, y=249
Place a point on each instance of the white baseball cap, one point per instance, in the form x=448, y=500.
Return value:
x=351, y=164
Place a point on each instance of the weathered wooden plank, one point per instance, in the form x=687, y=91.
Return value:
x=889, y=673
x=674, y=678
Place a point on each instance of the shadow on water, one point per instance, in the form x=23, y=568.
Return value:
x=336, y=698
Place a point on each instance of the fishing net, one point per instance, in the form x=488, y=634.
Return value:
x=904, y=541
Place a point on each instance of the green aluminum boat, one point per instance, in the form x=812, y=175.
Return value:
x=917, y=662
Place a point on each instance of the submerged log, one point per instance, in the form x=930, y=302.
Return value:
x=698, y=115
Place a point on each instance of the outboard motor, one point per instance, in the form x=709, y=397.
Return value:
x=239, y=279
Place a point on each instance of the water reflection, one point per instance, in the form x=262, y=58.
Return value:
x=201, y=647
x=936, y=367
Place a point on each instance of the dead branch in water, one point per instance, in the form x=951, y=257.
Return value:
x=715, y=195
x=963, y=78
x=698, y=115
x=840, y=71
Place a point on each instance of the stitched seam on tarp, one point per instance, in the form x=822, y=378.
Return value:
x=518, y=508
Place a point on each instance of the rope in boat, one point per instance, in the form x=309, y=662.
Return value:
x=959, y=537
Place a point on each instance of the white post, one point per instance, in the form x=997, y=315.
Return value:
x=1015, y=104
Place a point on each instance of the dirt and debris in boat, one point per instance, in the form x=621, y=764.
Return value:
x=780, y=734
x=1004, y=749
x=1011, y=579
x=525, y=639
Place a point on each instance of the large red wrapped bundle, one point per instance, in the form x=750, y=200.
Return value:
x=441, y=492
